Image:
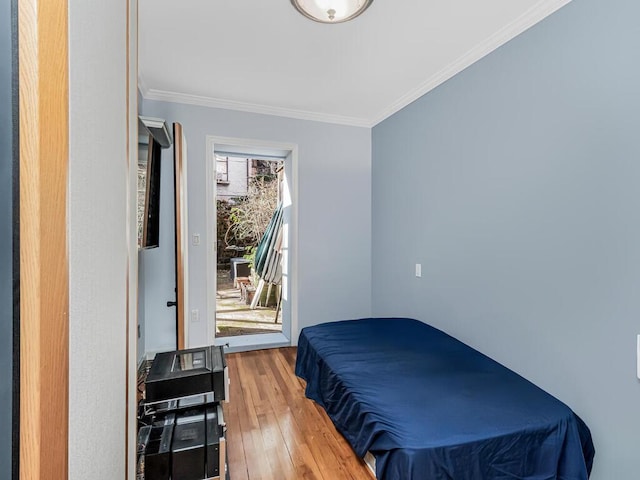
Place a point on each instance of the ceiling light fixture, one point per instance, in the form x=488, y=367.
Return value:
x=331, y=11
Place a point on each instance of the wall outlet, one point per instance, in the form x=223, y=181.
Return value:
x=195, y=239
x=195, y=316
x=638, y=357
x=418, y=270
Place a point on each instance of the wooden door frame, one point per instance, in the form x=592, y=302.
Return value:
x=181, y=237
x=43, y=61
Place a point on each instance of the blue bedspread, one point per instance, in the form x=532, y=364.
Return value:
x=429, y=407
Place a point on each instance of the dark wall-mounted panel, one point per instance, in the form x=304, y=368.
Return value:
x=6, y=240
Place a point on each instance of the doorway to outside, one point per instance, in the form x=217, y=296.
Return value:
x=248, y=206
x=251, y=243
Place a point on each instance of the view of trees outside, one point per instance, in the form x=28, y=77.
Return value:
x=242, y=220
x=247, y=195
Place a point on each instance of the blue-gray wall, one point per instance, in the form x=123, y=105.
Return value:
x=6, y=232
x=516, y=185
x=334, y=221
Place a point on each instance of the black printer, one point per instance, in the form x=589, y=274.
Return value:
x=187, y=372
x=182, y=432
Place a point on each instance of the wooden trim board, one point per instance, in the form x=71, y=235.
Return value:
x=181, y=233
x=44, y=281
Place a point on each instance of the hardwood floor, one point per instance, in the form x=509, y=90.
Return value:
x=274, y=431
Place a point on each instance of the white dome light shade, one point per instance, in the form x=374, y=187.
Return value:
x=331, y=11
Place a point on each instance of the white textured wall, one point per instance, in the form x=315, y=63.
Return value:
x=132, y=238
x=97, y=239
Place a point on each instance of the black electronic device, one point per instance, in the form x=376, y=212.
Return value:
x=156, y=452
x=215, y=451
x=143, y=438
x=180, y=404
x=184, y=373
x=188, y=447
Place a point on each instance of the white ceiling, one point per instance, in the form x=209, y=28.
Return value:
x=263, y=56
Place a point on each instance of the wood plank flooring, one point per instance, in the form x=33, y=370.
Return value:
x=274, y=431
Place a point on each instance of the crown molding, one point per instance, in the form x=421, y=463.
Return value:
x=175, y=97
x=535, y=14
x=528, y=19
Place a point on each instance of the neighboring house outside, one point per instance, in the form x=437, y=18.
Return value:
x=233, y=179
x=233, y=175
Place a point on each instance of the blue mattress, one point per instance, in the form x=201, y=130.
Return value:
x=429, y=407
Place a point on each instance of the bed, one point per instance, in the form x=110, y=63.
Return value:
x=429, y=407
